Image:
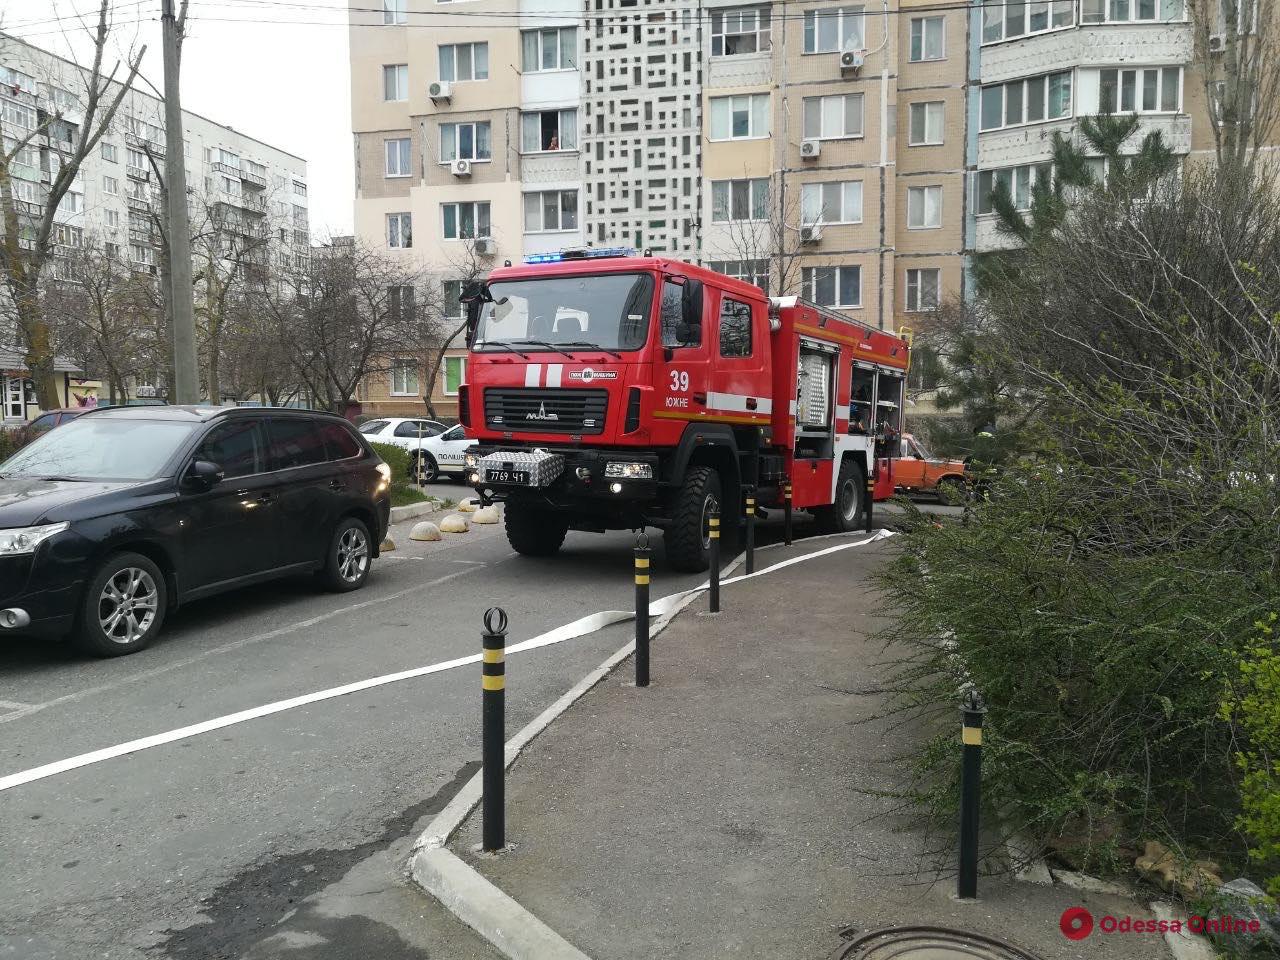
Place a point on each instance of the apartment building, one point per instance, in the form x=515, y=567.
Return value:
x=247, y=190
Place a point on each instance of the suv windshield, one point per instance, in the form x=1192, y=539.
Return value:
x=100, y=448
x=608, y=311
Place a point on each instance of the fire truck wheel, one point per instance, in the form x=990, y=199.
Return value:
x=846, y=513
x=687, y=544
x=533, y=532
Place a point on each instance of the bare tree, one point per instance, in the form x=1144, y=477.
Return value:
x=29, y=224
x=758, y=231
x=467, y=269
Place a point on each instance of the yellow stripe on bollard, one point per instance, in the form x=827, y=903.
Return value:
x=642, y=578
x=493, y=683
x=642, y=563
x=971, y=736
x=495, y=656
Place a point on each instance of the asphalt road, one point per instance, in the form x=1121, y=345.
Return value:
x=283, y=835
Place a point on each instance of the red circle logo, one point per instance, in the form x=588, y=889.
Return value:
x=1076, y=923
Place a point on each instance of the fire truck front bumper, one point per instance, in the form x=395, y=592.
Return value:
x=563, y=475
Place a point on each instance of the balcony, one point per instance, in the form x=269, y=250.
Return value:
x=226, y=168
x=147, y=234
x=243, y=202
x=137, y=173
x=143, y=144
x=253, y=178
x=139, y=204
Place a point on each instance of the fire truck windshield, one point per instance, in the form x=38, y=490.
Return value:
x=603, y=311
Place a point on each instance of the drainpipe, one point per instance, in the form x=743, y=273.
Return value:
x=884, y=157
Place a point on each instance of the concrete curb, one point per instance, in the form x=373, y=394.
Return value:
x=1184, y=945
x=411, y=510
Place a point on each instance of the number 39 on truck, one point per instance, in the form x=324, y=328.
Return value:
x=608, y=391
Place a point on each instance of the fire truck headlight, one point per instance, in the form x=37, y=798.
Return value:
x=629, y=471
x=615, y=487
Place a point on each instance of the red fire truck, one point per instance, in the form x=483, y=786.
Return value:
x=608, y=391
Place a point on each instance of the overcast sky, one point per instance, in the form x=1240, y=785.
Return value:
x=284, y=82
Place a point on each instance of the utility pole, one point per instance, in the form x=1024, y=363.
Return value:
x=186, y=373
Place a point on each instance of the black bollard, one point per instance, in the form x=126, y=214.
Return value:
x=786, y=512
x=642, y=610
x=871, y=499
x=493, y=682
x=970, y=793
x=751, y=530
x=713, y=533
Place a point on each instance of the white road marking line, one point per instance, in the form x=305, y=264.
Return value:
x=578, y=628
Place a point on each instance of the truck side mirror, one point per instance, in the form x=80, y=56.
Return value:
x=475, y=294
x=689, y=329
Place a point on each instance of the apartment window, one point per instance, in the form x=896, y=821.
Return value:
x=112, y=250
x=740, y=118
x=927, y=38
x=66, y=236
x=735, y=328
x=1026, y=101
x=1018, y=181
x=399, y=230
x=136, y=158
x=112, y=218
x=922, y=289
x=551, y=48
x=398, y=157
x=551, y=210
x=833, y=286
x=111, y=186
x=1009, y=19
x=110, y=152
x=395, y=82
x=71, y=203
x=1140, y=90
x=140, y=253
x=927, y=121
x=299, y=188
x=1134, y=11
x=739, y=200
x=451, y=292
x=833, y=118
x=465, y=221
x=924, y=207
x=749, y=271
x=549, y=130
x=464, y=61
x=831, y=31
x=465, y=141
x=400, y=302
x=16, y=114
x=404, y=378
x=455, y=375
x=393, y=11
x=837, y=201
x=739, y=30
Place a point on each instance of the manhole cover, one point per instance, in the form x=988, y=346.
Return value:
x=929, y=943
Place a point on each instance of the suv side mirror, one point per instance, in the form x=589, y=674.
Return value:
x=203, y=475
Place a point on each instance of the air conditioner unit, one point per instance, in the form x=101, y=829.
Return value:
x=811, y=233
x=810, y=149
x=486, y=247
x=440, y=91
x=851, y=61
x=1217, y=43
x=460, y=168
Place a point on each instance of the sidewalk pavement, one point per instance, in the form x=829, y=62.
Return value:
x=731, y=808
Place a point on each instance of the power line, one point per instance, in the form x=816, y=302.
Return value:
x=77, y=15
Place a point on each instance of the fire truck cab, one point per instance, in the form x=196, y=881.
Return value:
x=609, y=391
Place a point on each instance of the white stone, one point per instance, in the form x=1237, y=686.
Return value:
x=426, y=530
x=454, y=523
x=486, y=515
x=387, y=545
x=468, y=505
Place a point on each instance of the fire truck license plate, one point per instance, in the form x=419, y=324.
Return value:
x=507, y=476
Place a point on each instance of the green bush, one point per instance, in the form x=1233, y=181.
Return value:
x=397, y=458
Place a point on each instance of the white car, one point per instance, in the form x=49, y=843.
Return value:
x=444, y=454
x=407, y=432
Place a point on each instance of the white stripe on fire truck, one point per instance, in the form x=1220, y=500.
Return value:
x=553, y=374
x=533, y=375
x=737, y=402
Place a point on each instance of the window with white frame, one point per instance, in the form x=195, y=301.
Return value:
x=1140, y=90
x=112, y=250
x=135, y=158
x=548, y=48
x=736, y=31
x=398, y=154
x=749, y=271
x=1134, y=11
x=923, y=288
x=110, y=152
x=404, y=378
x=141, y=253
x=740, y=118
x=464, y=61
x=399, y=231
x=834, y=30
x=68, y=236
x=833, y=118
x=739, y=200
x=924, y=207
x=15, y=398
x=549, y=130
x=1033, y=100
x=395, y=81
x=455, y=375
x=927, y=39
x=112, y=218
x=465, y=221
x=837, y=201
x=451, y=291
x=111, y=186
x=1018, y=181
x=16, y=114
x=465, y=141
x=1009, y=19
x=394, y=11
x=833, y=286
x=927, y=121
x=299, y=188
x=550, y=210
x=72, y=202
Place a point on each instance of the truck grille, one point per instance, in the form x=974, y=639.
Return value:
x=546, y=411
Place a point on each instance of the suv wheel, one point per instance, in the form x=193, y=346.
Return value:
x=346, y=564
x=123, y=607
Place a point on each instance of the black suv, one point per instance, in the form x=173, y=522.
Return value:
x=111, y=521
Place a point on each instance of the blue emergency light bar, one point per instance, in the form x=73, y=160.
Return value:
x=580, y=253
